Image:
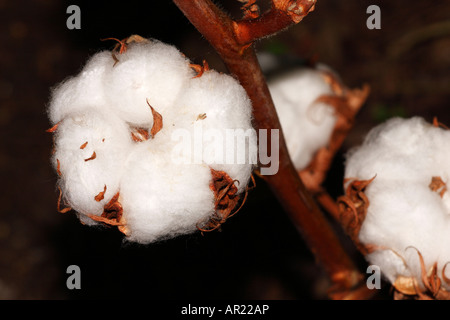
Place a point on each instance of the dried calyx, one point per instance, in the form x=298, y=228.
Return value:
x=114, y=149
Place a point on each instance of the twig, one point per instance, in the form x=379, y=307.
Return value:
x=241, y=61
x=282, y=15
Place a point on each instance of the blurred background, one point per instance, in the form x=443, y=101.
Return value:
x=258, y=254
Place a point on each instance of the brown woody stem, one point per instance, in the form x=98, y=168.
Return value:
x=241, y=62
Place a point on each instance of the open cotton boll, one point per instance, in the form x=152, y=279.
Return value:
x=162, y=199
x=151, y=71
x=409, y=208
x=91, y=148
x=85, y=89
x=307, y=124
x=217, y=112
x=116, y=155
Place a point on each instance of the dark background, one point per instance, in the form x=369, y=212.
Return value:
x=258, y=254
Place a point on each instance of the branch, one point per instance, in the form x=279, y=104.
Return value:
x=287, y=186
x=282, y=15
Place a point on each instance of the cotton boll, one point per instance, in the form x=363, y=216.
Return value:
x=161, y=199
x=115, y=150
x=151, y=71
x=407, y=214
x=225, y=128
x=307, y=124
x=85, y=89
x=91, y=148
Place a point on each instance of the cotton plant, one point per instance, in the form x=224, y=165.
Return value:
x=123, y=139
x=396, y=206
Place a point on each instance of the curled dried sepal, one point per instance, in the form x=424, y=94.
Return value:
x=101, y=195
x=139, y=134
x=437, y=185
x=54, y=128
x=58, y=203
x=200, y=69
x=122, y=45
x=112, y=214
x=438, y=124
x=157, y=121
x=408, y=287
x=92, y=157
x=83, y=145
x=353, y=209
x=58, y=167
x=226, y=199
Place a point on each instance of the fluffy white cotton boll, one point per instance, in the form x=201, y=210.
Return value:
x=151, y=71
x=404, y=215
x=91, y=148
x=85, y=89
x=306, y=123
x=218, y=107
x=102, y=148
x=162, y=199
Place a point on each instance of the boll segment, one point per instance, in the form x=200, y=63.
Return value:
x=405, y=222
x=149, y=71
x=116, y=155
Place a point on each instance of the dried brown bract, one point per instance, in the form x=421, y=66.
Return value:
x=139, y=134
x=83, y=145
x=226, y=200
x=92, y=157
x=201, y=116
x=438, y=124
x=408, y=287
x=101, y=195
x=157, y=121
x=199, y=69
x=58, y=168
x=122, y=45
x=54, y=128
x=112, y=213
x=353, y=209
x=437, y=185
x=58, y=203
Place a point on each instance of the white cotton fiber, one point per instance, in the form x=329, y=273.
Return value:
x=78, y=137
x=86, y=89
x=404, y=214
x=102, y=118
x=161, y=199
x=226, y=107
x=307, y=124
x=151, y=71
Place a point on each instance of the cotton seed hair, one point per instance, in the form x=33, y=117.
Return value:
x=114, y=148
